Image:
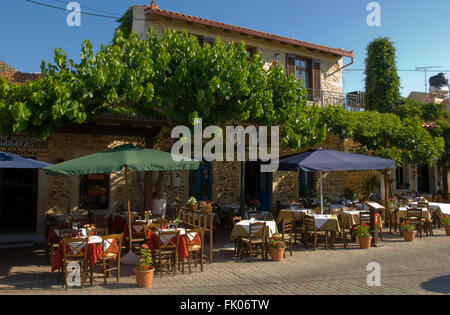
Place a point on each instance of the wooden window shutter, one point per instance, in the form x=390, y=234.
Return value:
x=290, y=64
x=316, y=79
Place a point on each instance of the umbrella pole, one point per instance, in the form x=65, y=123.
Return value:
x=321, y=193
x=128, y=205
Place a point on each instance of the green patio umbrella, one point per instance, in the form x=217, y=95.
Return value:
x=125, y=157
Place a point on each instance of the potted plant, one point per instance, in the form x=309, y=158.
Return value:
x=276, y=248
x=364, y=235
x=292, y=202
x=445, y=221
x=176, y=222
x=206, y=207
x=192, y=204
x=90, y=229
x=144, y=268
x=148, y=215
x=254, y=203
x=409, y=231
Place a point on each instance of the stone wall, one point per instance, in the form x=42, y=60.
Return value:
x=331, y=76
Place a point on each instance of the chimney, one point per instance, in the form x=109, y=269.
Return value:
x=154, y=6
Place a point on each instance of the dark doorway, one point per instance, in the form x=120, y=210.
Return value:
x=258, y=185
x=18, y=201
x=423, y=178
x=200, y=182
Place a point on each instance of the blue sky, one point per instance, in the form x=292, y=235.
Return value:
x=419, y=28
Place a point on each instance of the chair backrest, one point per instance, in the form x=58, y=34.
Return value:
x=326, y=209
x=342, y=218
x=309, y=222
x=422, y=204
x=112, y=244
x=414, y=214
x=169, y=240
x=75, y=247
x=256, y=230
x=161, y=222
x=316, y=210
x=194, y=237
x=287, y=227
x=364, y=217
x=138, y=229
x=154, y=227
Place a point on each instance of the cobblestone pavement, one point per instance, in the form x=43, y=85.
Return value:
x=421, y=267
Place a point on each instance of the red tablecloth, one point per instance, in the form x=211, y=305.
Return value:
x=120, y=225
x=94, y=253
x=153, y=243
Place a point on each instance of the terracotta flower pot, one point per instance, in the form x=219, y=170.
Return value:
x=192, y=207
x=276, y=254
x=365, y=242
x=206, y=209
x=144, y=279
x=447, y=229
x=409, y=236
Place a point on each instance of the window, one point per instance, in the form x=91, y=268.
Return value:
x=301, y=68
x=94, y=191
x=402, y=178
x=250, y=51
x=302, y=71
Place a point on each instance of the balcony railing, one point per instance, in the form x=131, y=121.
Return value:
x=351, y=101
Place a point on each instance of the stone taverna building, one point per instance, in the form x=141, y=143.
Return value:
x=27, y=195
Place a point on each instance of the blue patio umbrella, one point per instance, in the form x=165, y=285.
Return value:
x=323, y=160
x=8, y=160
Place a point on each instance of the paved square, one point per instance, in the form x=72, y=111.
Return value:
x=421, y=267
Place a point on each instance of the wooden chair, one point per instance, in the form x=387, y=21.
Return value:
x=237, y=242
x=326, y=209
x=428, y=225
x=74, y=250
x=345, y=227
x=256, y=238
x=287, y=227
x=167, y=250
x=414, y=215
x=297, y=227
x=162, y=222
x=151, y=228
x=311, y=230
x=194, y=245
x=111, y=246
x=53, y=241
x=137, y=234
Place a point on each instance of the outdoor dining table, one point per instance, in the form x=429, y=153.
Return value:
x=287, y=214
x=353, y=218
x=94, y=251
x=242, y=228
x=403, y=213
x=438, y=208
x=153, y=241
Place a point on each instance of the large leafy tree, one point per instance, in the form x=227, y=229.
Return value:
x=172, y=76
x=382, y=80
x=177, y=79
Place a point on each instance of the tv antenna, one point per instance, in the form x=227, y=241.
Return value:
x=425, y=69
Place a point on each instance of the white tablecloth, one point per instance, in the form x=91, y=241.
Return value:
x=321, y=219
x=246, y=225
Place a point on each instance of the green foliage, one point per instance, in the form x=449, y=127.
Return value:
x=382, y=80
x=171, y=77
x=385, y=135
x=126, y=23
x=370, y=183
x=362, y=230
x=145, y=262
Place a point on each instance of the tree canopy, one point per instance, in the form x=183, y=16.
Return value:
x=175, y=78
x=382, y=80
